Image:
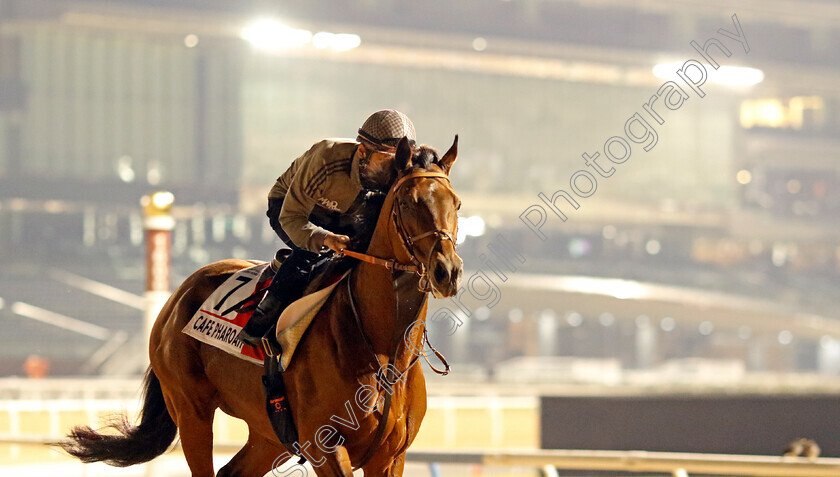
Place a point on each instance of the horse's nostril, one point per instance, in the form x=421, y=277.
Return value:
x=441, y=274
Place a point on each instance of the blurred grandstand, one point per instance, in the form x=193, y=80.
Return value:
x=729, y=225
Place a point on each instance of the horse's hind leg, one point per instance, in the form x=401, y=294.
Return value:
x=176, y=359
x=194, y=418
x=197, y=442
x=191, y=400
x=257, y=458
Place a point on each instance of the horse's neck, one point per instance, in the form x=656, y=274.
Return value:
x=376, y=297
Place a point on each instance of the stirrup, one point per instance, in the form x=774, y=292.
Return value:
x=268, y=345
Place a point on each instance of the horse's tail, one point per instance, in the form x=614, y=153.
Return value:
x=132, y=444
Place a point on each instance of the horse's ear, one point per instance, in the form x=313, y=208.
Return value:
x=402, y=160
x=448, y=159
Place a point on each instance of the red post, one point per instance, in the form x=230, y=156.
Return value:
x=158, y=224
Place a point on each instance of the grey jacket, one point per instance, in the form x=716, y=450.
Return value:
x=327, y=177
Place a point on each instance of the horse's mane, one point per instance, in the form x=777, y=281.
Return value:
x=424, y=157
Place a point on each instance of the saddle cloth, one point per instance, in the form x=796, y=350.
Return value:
x=218, y=322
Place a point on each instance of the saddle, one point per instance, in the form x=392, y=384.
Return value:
x=324, y=272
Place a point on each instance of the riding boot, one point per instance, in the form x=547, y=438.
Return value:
x=262, y=319
x=286, y=286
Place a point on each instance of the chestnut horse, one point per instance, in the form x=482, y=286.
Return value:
x=338, y=356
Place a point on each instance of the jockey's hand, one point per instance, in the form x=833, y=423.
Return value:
x=336, y=242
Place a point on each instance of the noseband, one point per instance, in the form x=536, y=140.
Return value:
x=407, y=240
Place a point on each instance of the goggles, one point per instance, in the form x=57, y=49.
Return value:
x=387, y=145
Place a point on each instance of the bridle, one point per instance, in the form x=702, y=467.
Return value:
x=408, y=241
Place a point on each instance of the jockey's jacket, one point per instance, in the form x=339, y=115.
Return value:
x=327, y=177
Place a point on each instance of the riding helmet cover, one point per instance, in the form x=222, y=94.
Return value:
x=386, y=128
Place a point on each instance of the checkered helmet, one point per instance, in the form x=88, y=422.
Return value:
x=386, y=128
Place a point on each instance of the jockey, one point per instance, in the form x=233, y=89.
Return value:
x=307, y=202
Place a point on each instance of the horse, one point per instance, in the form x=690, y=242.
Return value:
x=374, y=319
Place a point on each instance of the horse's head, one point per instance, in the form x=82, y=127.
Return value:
x=425, y=214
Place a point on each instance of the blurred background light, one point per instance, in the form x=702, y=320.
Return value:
x=606, y=319
x=125, y=170
x=482, y=313
x=162, y=200
x=785, y=337
x=479, y=44
x=725, y=75
x=472, y=226
x=579, y=247
x=336, y=41
x=271, y=35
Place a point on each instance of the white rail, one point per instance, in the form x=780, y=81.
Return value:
x=112, y=387
x=677, y=464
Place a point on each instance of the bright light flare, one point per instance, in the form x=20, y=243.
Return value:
x=271, y=35
x=162, y=200
x=624, y=290
x=725, y=75
x=737, y=76
x=470, y=227
x=336, y=41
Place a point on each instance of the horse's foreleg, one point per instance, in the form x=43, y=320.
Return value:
x=385, y=466
x=257, y=458
x=398, y=466
x=331, y=464
x=387, y=462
